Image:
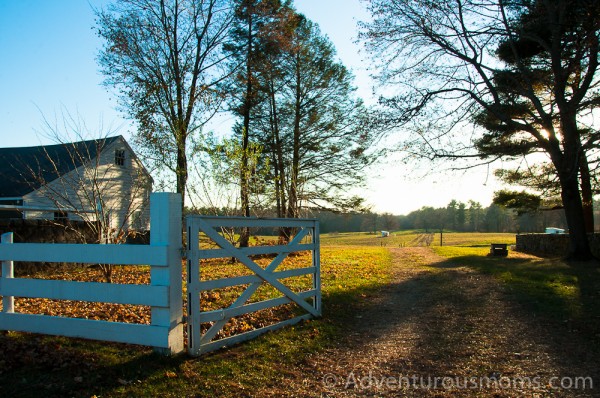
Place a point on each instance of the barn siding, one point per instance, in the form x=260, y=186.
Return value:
x=119, y=186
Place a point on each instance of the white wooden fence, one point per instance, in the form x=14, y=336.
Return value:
x=199, y=342
x=163, y=295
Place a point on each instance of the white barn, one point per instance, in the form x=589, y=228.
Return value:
x=77, y=181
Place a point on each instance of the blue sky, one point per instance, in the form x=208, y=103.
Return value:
x=48, y=66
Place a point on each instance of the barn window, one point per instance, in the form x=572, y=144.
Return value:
x=61, y=216
x=120, y=157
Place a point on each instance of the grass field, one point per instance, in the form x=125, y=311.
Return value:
x=418, y=238
x=354, y=268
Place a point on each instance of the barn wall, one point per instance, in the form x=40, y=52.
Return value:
x=124, y=189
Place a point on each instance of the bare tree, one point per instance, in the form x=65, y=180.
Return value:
x=164, y=58
x=91, y=180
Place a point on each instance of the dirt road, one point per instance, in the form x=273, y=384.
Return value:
x=444, y=330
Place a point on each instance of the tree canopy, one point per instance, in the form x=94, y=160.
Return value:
x=297, y=101
x=164, y=58
x=300, y=137
x=495, y=80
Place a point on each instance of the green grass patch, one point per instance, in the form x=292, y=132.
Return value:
x=418, y=238
x=545, y=286
x=32, y=365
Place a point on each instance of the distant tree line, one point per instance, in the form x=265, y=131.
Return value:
x=456, y=216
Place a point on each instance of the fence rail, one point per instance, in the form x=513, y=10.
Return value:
x=130, y=333
x=155, y=296
x=86, y=253
x=163, y=295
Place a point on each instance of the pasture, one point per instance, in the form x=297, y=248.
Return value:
x=417, y=238
x=393, y=309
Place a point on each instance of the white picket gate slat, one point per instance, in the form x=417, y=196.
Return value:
x=218, y=221
x=228, y=313
x=131, y=333
x=155, y=296
x=244, y=280
x=238, y=338
x=8, y=273
x=86, y=253
x=255, y=250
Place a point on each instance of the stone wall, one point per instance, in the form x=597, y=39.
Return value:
x=552, y=244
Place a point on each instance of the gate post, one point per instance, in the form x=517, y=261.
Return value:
x=165, y=230
x=316, y=261
x=8, y=302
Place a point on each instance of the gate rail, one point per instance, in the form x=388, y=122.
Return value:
x=199, y=342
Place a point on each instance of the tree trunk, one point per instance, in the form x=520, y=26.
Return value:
x=280, y=175
x=568, y=164
x=244, y=186
x=292, y=210
x=579, y=248
x=277, y=186
x=244, y=183
x=293, y=195
x=587, y=195
x=280, y=164
x=181, y=170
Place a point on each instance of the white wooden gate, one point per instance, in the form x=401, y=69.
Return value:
x=309, y=300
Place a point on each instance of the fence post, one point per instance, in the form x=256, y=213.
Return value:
x=8, y=302
x=165, y=230
x=193, y=299
x=316, y=258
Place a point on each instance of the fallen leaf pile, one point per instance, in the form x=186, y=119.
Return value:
x=89, y=310
x=210, y=300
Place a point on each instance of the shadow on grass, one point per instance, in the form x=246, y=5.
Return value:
x=447, y=320
x=461, y=325
x=57, y=367
x=551, y=287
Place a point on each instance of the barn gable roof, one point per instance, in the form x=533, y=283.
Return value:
x=26, y=169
